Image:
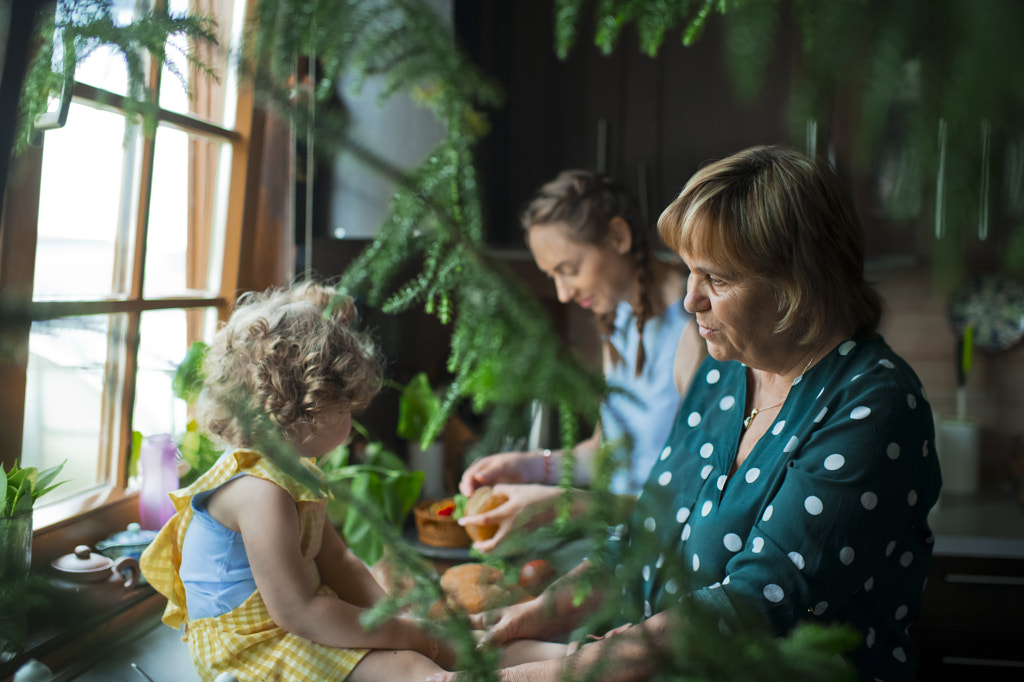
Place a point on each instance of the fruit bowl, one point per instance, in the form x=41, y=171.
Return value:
x=439, y=529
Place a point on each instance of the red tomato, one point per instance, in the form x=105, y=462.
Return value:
x=536, y=573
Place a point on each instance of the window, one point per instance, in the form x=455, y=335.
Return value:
x=124, y=248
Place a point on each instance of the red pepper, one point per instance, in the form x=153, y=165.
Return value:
x=446, y=508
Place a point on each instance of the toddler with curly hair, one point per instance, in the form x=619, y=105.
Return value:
x=263, y=584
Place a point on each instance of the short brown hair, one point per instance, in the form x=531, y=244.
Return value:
x=286, y=359
x=774, y=214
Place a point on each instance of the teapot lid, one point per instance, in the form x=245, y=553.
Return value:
x=82, y=560
x=133, y=535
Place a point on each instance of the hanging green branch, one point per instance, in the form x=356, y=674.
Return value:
x=77, y=28
x=903, y=65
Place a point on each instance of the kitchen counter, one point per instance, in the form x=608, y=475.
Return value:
x=989, y=524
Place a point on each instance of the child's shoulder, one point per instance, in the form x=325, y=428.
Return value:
x=242, y=498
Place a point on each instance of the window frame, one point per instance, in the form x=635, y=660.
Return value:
x=256, y=254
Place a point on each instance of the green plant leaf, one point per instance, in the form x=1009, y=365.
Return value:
x=45, y=478
x=362, y=538
x=416, y=406
x=3, y=493
x=188, y=378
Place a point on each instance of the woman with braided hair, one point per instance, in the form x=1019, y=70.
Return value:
x=585, y=232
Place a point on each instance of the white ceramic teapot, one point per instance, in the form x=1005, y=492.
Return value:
x=83, y=566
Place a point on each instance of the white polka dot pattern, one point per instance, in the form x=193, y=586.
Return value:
x=851, y=408
x=774, y=593
x=834, y=462
x=860, y=412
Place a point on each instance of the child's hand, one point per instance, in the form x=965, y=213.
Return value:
x=437, y=651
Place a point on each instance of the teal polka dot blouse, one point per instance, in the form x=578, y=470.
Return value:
x=826, y=519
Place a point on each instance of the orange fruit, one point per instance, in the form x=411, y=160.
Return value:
x=483, y=500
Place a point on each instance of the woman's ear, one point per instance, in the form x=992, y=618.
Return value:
x=620, y=237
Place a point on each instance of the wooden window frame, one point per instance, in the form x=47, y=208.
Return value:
x=257, y=254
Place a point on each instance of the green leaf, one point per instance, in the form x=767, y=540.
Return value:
x=3, y=493
x=362, y=538
x=188, y=378
x=416, y=406
x=45, y=477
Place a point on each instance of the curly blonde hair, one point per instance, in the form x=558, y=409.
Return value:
x=286, y=360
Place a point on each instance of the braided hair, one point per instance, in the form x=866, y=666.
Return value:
x=585, y=203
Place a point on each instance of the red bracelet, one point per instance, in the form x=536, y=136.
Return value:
x=548, y=466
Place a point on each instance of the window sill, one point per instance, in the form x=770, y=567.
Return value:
x=83, y=520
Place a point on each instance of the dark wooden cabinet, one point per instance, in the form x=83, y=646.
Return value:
x=972, y=625
x=651, y=122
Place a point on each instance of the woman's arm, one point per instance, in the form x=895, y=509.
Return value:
x=530, y=467
x=552, y=614
x=628, y=654
x=268, y=520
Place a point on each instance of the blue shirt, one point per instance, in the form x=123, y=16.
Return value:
x=645, y=414
x=825, y=520
x=214, y=566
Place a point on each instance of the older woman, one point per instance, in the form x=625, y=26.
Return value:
x=800, y=470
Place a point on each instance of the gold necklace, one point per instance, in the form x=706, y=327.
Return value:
x=754, y=411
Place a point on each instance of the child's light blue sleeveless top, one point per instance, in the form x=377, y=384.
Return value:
x=214, y=567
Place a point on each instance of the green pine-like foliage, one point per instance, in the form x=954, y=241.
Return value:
x=914, y=67
x=76, y=28
x=930, y=85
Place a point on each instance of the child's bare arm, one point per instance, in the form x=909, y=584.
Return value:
x=343, y=572
x=268, y=520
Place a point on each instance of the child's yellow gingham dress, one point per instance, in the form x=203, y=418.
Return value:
x=245, y=641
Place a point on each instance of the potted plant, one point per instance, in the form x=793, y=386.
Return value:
x=19, y=490
x=370, y=496
x=418, y=406
x=20, y=592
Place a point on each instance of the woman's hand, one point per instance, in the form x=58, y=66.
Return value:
x=528, y=506
x=504, y=467
x=532, y=619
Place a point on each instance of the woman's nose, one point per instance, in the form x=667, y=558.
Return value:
x=695, y=300
x=564, y=290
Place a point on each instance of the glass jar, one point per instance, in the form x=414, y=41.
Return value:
x=15, y=546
